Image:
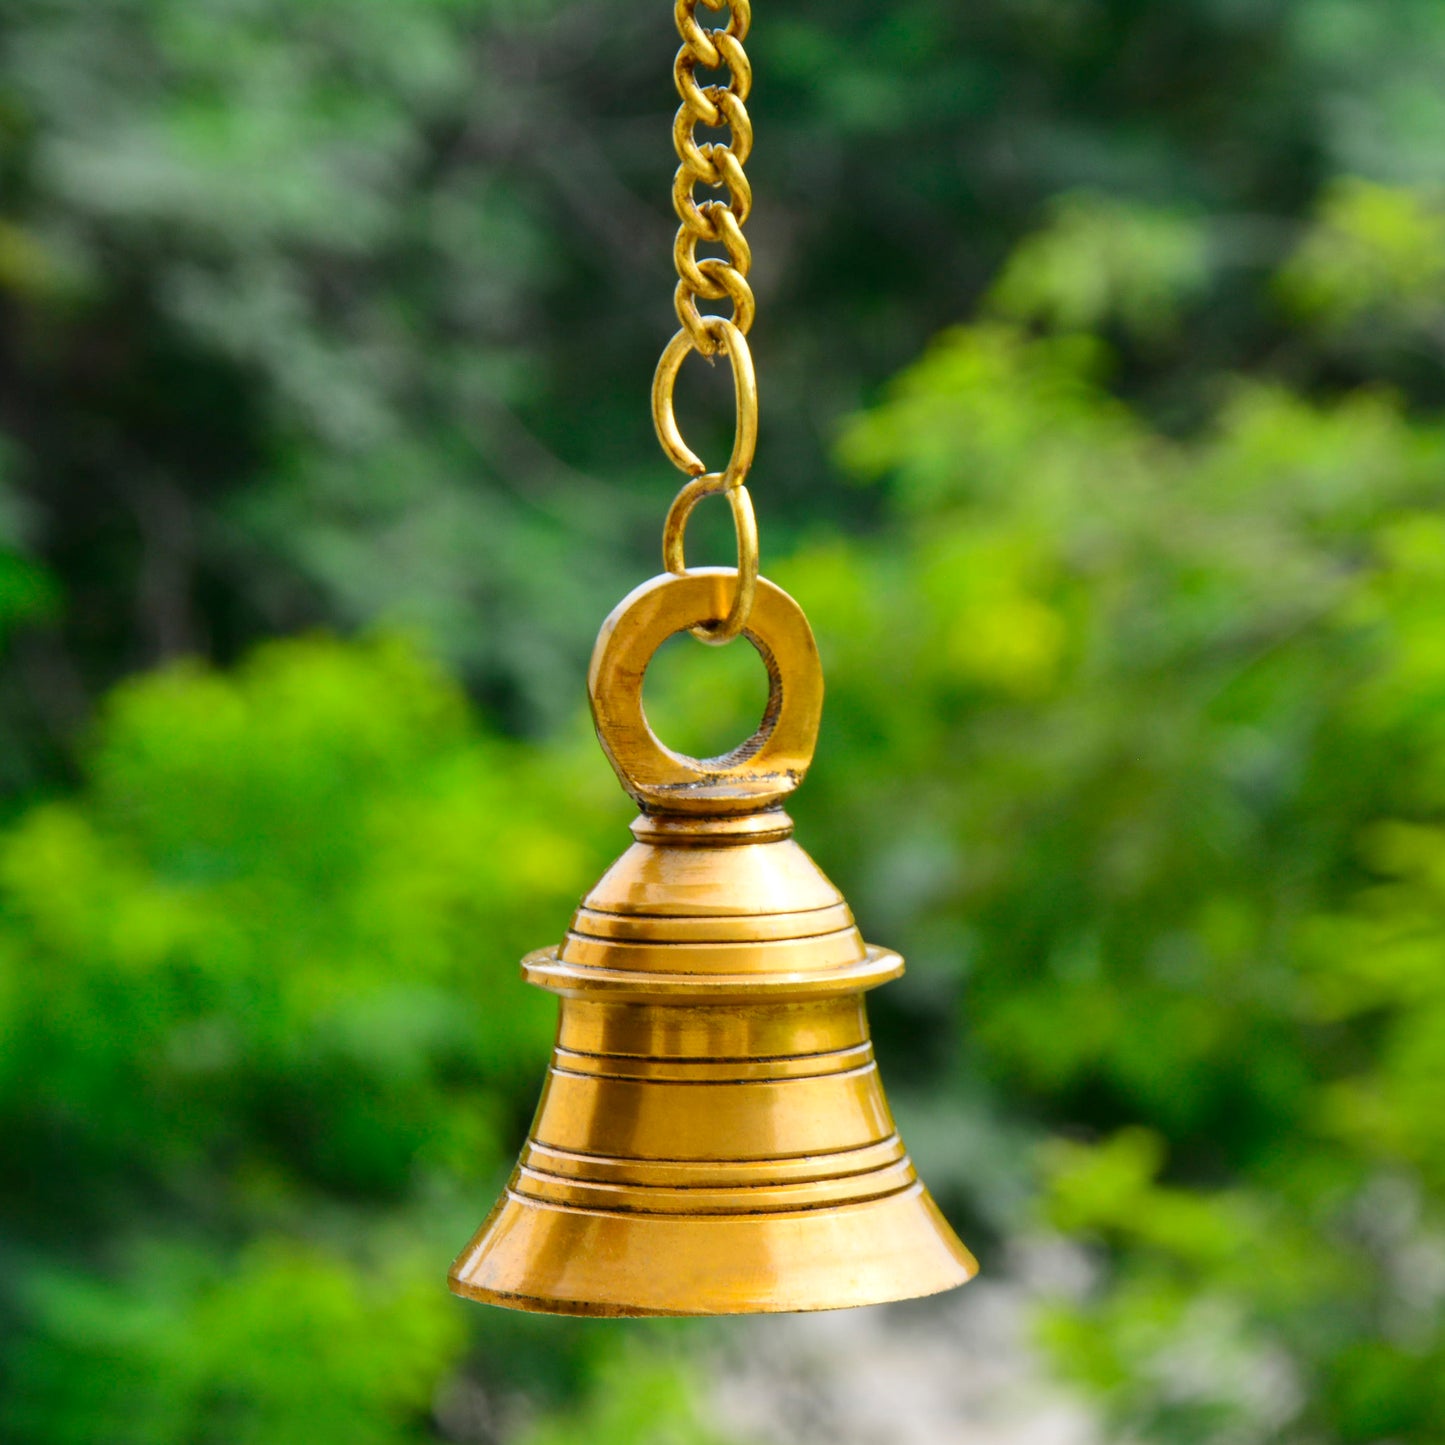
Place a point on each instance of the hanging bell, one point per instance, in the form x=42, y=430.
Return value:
x=713, y=1136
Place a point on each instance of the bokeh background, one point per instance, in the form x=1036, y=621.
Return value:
x=1102, y=346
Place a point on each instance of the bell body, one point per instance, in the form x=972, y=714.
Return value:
x=713, y=1136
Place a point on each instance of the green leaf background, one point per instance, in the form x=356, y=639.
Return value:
x=1103, y=358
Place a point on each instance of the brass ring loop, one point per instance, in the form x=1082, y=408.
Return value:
x=730, y=340
x=696, y=39
x=745, y=524
x=739, y=258
x=729, y=284
x=765, y=769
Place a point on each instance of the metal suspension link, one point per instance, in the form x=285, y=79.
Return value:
x=715, y=222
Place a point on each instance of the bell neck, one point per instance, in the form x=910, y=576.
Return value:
x=695, y=830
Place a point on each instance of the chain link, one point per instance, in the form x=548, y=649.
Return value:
x=714, y=222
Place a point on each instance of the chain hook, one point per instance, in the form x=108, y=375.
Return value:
x=712, y=278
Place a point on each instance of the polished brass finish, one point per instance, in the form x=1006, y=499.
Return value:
x=708, y=484
x=713, y=1136
x=765, y=769
x=713, y=278
x=745, y=392
x=716, y=165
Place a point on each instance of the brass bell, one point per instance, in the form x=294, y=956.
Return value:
x=713, y=1136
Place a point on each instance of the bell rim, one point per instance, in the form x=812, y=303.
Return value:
x=586, y=1309
x=544, y=968
x=932, y=1261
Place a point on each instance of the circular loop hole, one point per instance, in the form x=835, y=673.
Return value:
x=705, y=702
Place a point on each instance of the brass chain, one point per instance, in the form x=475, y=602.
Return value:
x=714, y=222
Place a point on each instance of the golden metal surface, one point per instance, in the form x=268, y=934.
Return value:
x=712, y=1136
x=766, y=768
x=713, y=278
x=732, y=344
x=745, y=525
x=715, y=165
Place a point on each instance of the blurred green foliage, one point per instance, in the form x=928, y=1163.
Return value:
x=1169, y=716
x=265, y=1045
x=639, y=1399
x=336, y=320
x=324, y=313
